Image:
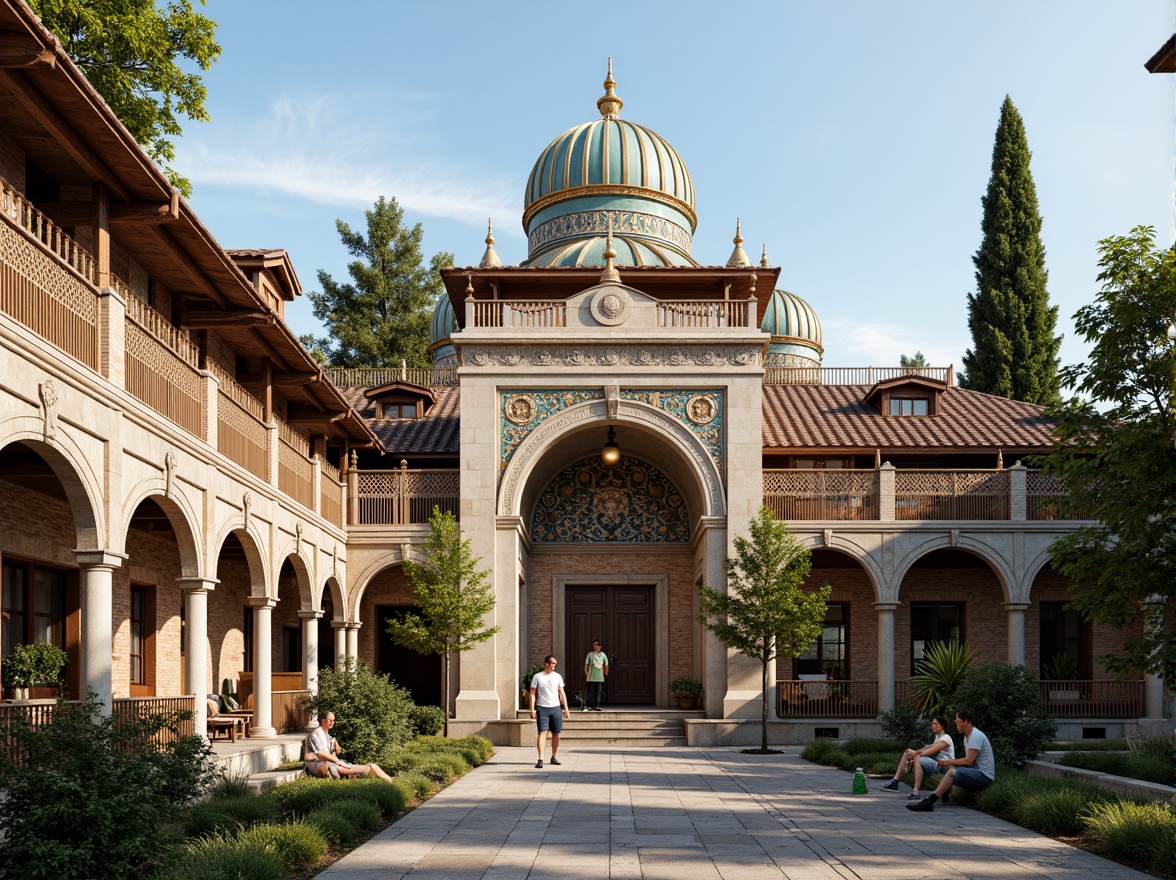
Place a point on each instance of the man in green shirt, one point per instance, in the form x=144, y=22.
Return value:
x=595, y=670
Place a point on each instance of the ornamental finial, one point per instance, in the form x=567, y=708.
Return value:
x=610, y=275
x=764, y=259
x=609, y=105
x=490, y=259
x=739, y=255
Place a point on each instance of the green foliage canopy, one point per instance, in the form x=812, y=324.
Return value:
x=764, y=613
x=1115, y=451
x=383, y=316
x=1015, y=351
x=371, y=713
x=130, y=51
x=1005, y=702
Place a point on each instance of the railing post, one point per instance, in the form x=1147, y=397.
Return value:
x=353, y=491
x=271, y=453
x=316, y=484
x=402, y=505
x=209, y=408
x=1018, y=502
x=112, y=334
x=886, y=493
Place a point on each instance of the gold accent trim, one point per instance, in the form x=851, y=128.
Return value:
x=600, y=189
x=796, y=340
x=519, y=409
x=702, y=409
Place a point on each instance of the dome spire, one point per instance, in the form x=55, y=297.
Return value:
x=764, y=259
x=609, y=104
x=739, y=255
x=610, y=275
x=490, y=259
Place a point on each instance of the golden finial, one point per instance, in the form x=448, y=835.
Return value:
x=739, y=255
x=764, y=259
x=469, y=284
x=610, y=275
x=490, y=258
x=609, y=105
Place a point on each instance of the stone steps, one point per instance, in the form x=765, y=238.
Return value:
x=625, y=727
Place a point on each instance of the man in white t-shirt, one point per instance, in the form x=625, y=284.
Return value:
x=974, y=771
x=924, y=760
x=549, y=707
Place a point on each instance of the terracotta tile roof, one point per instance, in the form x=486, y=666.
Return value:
x=436, y=434
x=838, y=416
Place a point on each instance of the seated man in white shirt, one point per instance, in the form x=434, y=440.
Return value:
x=974, y=771
x=326, y=750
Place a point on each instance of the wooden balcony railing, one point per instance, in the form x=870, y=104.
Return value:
x=798, y=494
x=1046, y=498
x=955, y=494
x=827, y=699
x=520, y=313
x=695, y=314
x=289, y=716
x=295, y=466
x=401, y=497
x=240, y=429
x=162, y=366
x=850, y=375
x=372, y=377
x=46, y=280
x=330, y=493
x=1092, y=699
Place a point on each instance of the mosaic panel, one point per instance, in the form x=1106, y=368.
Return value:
x=521, y=413
x=701, y=410
x=629, y=503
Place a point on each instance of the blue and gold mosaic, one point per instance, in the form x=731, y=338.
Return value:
x=523, y=411
x=701, y=410
x=629, y=503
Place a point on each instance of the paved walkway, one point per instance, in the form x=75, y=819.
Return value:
x=689, y=814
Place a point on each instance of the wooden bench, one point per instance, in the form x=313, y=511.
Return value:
x=221, y=724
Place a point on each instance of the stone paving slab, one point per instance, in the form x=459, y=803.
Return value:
x=697, y=814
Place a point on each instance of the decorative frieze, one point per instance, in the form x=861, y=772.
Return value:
x=585, y=223
x=615, y=356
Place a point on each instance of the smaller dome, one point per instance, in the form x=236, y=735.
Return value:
x=796, y=331
x=441, y=328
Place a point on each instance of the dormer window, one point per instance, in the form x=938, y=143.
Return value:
x=396, y=411
x=400, y=400
x=908, y=406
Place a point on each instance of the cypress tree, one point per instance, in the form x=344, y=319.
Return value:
x=1015, y=351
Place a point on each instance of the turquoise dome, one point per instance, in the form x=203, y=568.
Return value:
x=609, y=170
x=441, y=328
x=796, y=331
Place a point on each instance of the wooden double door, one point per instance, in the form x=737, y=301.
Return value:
x=622, y=618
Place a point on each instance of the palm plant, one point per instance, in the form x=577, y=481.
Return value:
x=939, y=674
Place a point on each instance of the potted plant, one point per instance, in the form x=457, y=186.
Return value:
x=1060, y=668
x=20, y=670
x=686, y=690
x=525, y=682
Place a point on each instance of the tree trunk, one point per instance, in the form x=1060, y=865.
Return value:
x=445, y=692
x=764, y=711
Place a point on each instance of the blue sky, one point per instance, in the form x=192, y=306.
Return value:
x=853, y=138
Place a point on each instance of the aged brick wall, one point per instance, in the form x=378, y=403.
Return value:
x=285, y=614
x=678, y=565
x=850, y=585
x=227, y=606
x=154, y=562
x=389, y=587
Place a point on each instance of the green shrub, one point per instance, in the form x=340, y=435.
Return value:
x=939, y=674
x=871, y=762
x=1055, y=812
x=307, y=794
x=233, y=784
x=904, y=725
x=1146, y=767
x=221, y=858
x=417, y=783
x=819, y=750
x=1005, y=702
x=227, y=814
x=296, y=843
x=444, y=767
x=1140, y=833
x=372, y=714
x=426, y=720
x=483, y=745
x=362, y=814
x=92, y=794
x=395, y=760
x=1152, y=747
x=864, y=744
x=1089, y=745
x=390, y=799
x=333, y=825
x=1116, y=765
x=1003, y=796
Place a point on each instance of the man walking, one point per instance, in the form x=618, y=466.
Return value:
x=549, y=707
x=595, y=670
x=974, y=771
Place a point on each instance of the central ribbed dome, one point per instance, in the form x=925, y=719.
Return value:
x=609, y=168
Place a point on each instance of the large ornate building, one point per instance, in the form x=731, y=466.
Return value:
x=191, y=505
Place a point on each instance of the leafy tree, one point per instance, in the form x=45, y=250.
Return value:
x=916, y=361
x=131, y=52
x=372, y=714
x=939, y=674
x=1005, y=701
x=1015, y=351
x=1115, y=451
x=92, y=797
x=454, y=596
x=765, y=613
x=383, y=317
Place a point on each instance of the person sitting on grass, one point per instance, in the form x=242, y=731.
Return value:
x=326, y=751
x=924, y=760
x=973, y=772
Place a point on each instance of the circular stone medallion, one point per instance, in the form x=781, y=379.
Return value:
x=519, y=409
x=610, y=306
x=701, y=409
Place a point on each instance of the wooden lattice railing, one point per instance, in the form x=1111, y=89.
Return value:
x=955, y=494
x=240, y=430
x=330, y=493
x=405, y=496
x=162, y=366
x=295, y=472
x=797, y=494
x=850, y=375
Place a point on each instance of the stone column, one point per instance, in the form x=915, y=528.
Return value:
x=886, y=493
x=340, y=642
x=1016, y=618
x=271, y=453
x=112, y=328
x=353, y=640
x=263, y=658
x=1153, y=684
x=310, y=649
x=1018, y=497
x=97, y=601
x=209, y=407
x=196, y=592
x=885, y=611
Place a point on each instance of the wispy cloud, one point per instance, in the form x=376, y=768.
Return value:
x=854, y=343
x=328, y=150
